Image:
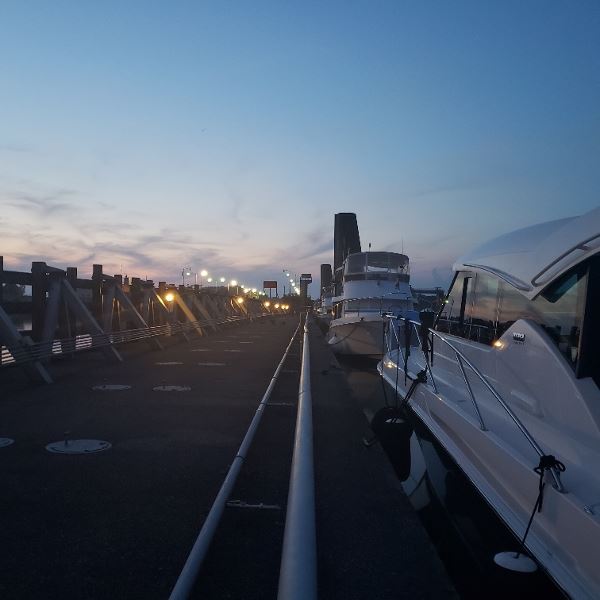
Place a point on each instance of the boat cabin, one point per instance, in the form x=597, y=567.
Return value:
x=557, y=288
x=376, y=266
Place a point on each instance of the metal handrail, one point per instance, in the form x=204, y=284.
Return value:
x=462, y=360
x=187, y=578
x=298, y=573
x=18, y=354
x=367, y=297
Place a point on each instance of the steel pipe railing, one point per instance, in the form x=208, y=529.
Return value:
x=298, y=573
x=187, y=578
x=463, y=360
x=17, y=354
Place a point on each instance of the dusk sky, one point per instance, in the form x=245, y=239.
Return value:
x=225, y=135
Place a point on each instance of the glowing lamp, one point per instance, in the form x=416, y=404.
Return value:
x=169, y=297
x=239, y=300
x=203, y=273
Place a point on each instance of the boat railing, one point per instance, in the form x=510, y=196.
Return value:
x=462, y=362
x=381, y=299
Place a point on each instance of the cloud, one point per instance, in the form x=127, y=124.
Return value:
x=45, y=205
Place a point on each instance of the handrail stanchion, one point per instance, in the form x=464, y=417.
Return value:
x=298, y=573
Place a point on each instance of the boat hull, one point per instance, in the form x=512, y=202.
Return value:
x=460, y=519
x=359, y=336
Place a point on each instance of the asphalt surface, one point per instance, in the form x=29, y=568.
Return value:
x=120, y=523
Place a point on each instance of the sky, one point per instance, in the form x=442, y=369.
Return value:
x=148, y=136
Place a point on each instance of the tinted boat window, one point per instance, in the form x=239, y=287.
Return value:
x=356, y=263
x=454, y=315
x=559, y=310
x=484, y=309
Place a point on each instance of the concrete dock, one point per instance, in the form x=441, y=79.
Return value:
x=120, y=523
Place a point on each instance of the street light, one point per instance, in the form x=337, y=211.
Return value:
x=169, y=296
x=203, y=273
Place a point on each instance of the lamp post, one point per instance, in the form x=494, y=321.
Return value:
x=203, y=273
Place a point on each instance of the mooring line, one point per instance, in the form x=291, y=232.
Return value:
x=189, y=574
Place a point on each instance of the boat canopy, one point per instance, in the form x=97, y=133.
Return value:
x=376, y=262
x=531, y=258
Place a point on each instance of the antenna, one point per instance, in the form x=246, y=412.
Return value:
x=369, y=246
x=402, y=245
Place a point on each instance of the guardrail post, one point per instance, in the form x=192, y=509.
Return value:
x=38, y=299
x=97, y=277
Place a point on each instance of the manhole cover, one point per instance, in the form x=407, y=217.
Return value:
x=5, y=442
x=172, y=388
x=111, y=387
x=78, y=446
x=174, y=362
x=211, y=364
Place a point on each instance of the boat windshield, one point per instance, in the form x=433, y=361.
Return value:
x=377, y=262
x=481, y=308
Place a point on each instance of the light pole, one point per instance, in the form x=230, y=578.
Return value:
x=203, y=273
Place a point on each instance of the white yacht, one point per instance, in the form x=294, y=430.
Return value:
x=513, y=376
x=373, y=283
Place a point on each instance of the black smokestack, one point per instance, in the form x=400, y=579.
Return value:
x=326, y=278
x=346, y=240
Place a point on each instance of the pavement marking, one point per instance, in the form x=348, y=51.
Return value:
x=78, y=446
x=174, y=362
x=259, y=506
x=6, y=442
x=200, y=350
x=211, y=364
x=222, y=341
x=111, y=387
x=246, y=342
x=231, y=350
x=172, y=388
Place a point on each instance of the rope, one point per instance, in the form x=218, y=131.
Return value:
x=547, y=463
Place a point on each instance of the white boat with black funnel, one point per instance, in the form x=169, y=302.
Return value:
x=373, y=283
x=502, y=392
